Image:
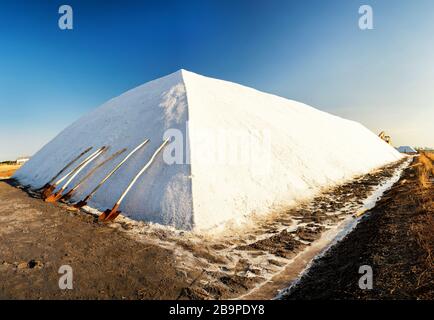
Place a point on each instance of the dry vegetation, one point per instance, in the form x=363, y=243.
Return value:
x=424, y=226
x=429, y=155
x=7, y=170
x=425, y=170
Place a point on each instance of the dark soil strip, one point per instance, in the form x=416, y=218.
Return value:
x=395, y=238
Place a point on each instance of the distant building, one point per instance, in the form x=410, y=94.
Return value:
x=22, y=160
x=407, y=150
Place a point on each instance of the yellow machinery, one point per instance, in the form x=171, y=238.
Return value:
x=386, y=138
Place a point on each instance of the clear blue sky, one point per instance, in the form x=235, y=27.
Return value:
x=311, y=51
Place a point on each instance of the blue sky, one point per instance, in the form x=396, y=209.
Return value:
x=311, y=51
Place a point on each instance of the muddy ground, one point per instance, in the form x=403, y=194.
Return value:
x=395, y=238
x=130, y=260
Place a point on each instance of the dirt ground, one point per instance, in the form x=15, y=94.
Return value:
x=36, y=238
x=141, y=261
x=395, y=239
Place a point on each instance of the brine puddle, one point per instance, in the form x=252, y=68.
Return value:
x=259, y=259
